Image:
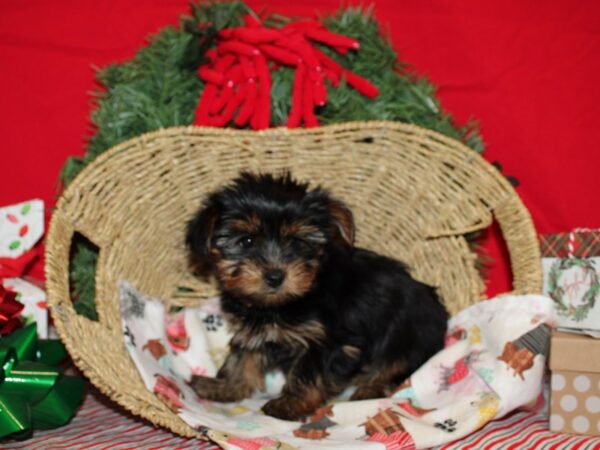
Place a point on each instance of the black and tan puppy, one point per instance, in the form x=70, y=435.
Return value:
x=301, y=298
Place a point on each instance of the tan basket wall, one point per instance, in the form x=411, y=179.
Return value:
x=414, y=192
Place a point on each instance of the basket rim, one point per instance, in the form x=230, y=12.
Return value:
x=280, y=131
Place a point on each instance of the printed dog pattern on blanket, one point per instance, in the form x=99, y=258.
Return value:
x=493, y=363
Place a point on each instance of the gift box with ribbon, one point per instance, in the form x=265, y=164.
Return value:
x=571, y=264
x=21, y=227
x=34, y=393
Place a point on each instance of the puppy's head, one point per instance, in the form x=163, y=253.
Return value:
x=264, y=237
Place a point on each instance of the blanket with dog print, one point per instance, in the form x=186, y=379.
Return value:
x=493, y=363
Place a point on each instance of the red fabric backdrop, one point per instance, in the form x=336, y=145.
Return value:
x=527, y=71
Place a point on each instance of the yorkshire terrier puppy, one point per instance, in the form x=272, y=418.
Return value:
x=301, y=298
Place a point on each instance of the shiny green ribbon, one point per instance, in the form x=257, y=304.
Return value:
x=34, y=393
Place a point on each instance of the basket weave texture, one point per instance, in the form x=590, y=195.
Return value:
x=414, y=193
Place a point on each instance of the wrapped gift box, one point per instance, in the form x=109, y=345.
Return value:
x=571, y=264
x=575, y=384
x=34, y=299
x=21, y=227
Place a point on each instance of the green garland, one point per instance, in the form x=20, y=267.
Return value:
x=160, y=88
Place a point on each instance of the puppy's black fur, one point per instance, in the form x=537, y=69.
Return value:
x=300, y=297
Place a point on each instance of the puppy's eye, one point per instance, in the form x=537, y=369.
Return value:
x=246, y=242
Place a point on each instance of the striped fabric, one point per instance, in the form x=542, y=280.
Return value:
x=99, y=425
x=520, y=431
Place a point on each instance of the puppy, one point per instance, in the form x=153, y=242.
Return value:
x=301, y=298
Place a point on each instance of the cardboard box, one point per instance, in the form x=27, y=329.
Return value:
x=575, y=384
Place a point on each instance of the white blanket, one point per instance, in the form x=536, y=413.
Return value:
x=493, y=363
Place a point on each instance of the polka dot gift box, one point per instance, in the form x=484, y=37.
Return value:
x=575, y=384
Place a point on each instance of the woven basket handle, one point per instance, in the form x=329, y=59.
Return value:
x=59, y=243
x=518, y=231
x=456, y=222
x=470, y=216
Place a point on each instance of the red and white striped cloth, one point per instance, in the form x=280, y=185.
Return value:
x=101, y=425
x=519, y=431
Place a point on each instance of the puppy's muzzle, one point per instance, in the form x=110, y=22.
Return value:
x=274, y=277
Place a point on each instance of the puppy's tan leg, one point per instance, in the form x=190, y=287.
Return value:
x=378, y=382
x=241, y=374
x=297, y=400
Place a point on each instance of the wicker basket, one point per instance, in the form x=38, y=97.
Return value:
x=414, y=192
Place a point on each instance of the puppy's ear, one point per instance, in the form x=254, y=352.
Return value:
x=343, y=221
x=199, y=236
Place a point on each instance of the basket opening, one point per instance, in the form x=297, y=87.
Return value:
x=494, y=258
x=83, y=258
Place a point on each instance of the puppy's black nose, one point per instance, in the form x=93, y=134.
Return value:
x=274, y=277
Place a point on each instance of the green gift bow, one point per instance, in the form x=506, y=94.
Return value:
x=33, y=393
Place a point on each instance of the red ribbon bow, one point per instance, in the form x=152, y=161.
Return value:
x=10, y=309
x=15, y=267
x=238, y=76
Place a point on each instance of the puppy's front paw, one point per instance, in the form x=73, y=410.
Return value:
x=366, y=392
x=203, y=386
x=218, y=389
x=288, y=407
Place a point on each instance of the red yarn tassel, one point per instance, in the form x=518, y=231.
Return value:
x=233, y=76
x=224, y=63
x=248, y=105
x=210, y=75
x=299, y=45
x=248, y=69
x=319, y=92
x=330, y=39
x=280, y=54
x=252, y=21
x=238, y=47
x=333, y=77
x=226, y=33
x=211, y=55
x=295, y=114
x=257, y=35
x=261, y=117
x=224, y=118
x=223, y=98
x=329, y=63
x=362, y=85
x=308, y=113
x=340, y=50
x=203, y=108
